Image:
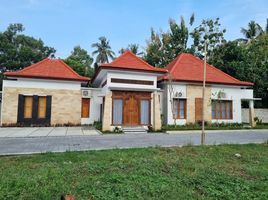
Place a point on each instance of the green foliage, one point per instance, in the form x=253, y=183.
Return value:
x=204, y=172
x=165, y=46
x=253, y=30
x=247, y=62
x=134, y=48
x=18, y=50
x=212, y=126
x=98, y=125
x=80, y=61
x=103, y=50
x=209, y=31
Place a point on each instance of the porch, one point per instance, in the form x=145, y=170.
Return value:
x=129, y=108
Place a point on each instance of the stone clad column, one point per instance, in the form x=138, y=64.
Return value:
x=156, y=112
x=107, y=113
x=251, y=114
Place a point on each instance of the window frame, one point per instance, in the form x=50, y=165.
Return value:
x=117, y=98
x=184, y=107
x=24, y=106
x=149, y=112
x=218, y=105
x=45, y=97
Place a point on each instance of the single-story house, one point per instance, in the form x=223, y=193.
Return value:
x=125, y=92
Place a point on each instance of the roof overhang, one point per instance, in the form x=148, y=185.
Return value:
x=208, y=82
x=47, y=78
x=251, y=99
x=123, y=70
x=134, y=89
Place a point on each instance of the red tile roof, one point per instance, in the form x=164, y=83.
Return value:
x=49, y=69
x=130, y=61
x=189, y=68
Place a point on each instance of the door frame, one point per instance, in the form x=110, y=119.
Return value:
x=139, y=96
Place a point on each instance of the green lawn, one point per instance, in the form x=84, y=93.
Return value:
x=210, y=172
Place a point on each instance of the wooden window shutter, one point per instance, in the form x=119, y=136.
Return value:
x=42, y=104
x=28, y=107
x=85, y=108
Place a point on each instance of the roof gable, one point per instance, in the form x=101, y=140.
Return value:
x=49, y=69
x=130, y=61
x=187, y=67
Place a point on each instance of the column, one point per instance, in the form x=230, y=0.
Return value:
x=251, y=114
x=107, y=113
x=156, y=112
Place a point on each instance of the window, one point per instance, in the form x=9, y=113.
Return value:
x=222, y=109
x=117, y=111
x=145, y=111
x=42, y=105
x=180, y=108
x=85, y=108
x=28, y=107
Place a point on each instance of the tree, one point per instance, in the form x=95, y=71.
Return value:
x=209, y=30
x=80, y=61
x=103, y=50
x=154, y=54
x=163, y=47
x=247, y=62
x=134, y=48
x=252, y=31
x=18, y=50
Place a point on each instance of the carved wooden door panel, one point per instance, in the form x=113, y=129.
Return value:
x=131, y=110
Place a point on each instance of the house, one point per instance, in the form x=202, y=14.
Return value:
x=126, y=92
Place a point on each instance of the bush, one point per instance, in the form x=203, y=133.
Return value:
x=98, y=125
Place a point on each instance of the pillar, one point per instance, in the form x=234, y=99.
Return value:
x=251, y=114
x=156, y=112
x=107, y=113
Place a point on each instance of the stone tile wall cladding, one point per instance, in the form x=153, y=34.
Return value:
x=65, y=108
x=195, y=91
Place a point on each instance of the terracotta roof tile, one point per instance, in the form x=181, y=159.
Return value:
x=49, y=69
x=187, y=67
x=130, y=61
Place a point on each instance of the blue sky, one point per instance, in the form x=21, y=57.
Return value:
x=63, y=24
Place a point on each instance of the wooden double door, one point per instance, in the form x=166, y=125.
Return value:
x=133, y=107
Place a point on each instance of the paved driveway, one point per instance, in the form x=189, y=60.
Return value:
x=47, y=131
x=28, y=145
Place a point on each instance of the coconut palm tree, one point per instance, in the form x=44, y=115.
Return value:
x=252, y=31
x=103, y=50
x=134, y=48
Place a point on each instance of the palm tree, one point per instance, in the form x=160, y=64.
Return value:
x=253, y=30
x=103, y=50
x=134, y=48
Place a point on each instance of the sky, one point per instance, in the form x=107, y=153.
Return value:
x=63, y=24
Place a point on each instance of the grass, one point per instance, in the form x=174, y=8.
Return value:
x=213, y=126
x=208, y=172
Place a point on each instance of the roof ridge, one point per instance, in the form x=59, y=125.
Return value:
x=33, y=65
x=177, y=61
x=140, y=59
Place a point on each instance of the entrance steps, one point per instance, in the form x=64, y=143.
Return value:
x=134, y=129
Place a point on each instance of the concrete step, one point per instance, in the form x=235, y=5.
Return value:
x=134, y=130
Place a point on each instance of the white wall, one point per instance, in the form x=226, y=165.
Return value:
x=95, y=103
x=177, y=88
x=132, y=76
x=95, y=99
x=42, y=83
x=235, y=94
